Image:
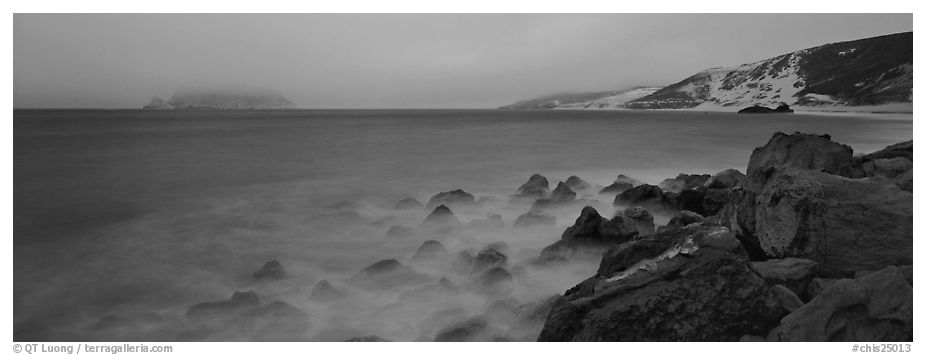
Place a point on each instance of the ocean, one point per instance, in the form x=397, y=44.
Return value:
x=132, y=212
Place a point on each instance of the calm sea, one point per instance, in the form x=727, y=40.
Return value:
x=128, y=210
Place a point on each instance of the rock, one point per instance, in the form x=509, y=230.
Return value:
x=223, y=309
x=889, y=168
x=876, y=308
x=369, y=338
x=843, y=224
x=493, y=221
x=752, y=338
x=817, y=285
x=563, y=194
x=442, y=290
x=726, y=179
x=456, y=198
x=496, y=281
x=488, y=259
x=325, y=292
x=713, y=200
x=786, y=298
x=431, y=250
x=902, y=149
x=501, y=247
x=134, y=322
x=463, y=263
x=272, y=270
x=399, y=232
x=534, y=218
x=536, y=187
x=385, y=274
x=691, y=200
x=793, y=273
x=277, y=321
x=782, y=108
x=622, y=184
x=685, y=218
x=642, y=194
x=642, y=220
x=683, y=182
x=408, y=203
x=441, y=218
x=802, y=151
x=590, y=234
x=475, y=329
x=691, y=284
x=577, y=184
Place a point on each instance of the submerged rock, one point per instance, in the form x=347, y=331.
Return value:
x=534, y=218
x=272, y=270
x=456, y=198
x=368, y=338
x=621, y=184
x=536, y=187
x=577, y=184
x=493, y=221
x=222, y=309
x=385, y=274
x=325, y=292
x=475, y=329
x=691, y=284
x=431, y=250
x=399, y=232
x=463, y=263
x=488, y=259
x=875, y=308
x=441, y=218
x=590, y=233
x=496, y=281
x=408, y=203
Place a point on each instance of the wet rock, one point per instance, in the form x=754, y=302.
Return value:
x=408, y=203
x=325, y=292
x=272, y=270
x=488, y=259
x=786, y=298
x=442, y=218
x=456, y=198
x=399, y=232
x=431, y=250
x=577, y=184
x=639, y=195
x=589, y=235
x=642, y=220
x=534, y=218
x=793, y=273
x=691, y=284
x=222, y=309
x=876, y=308
x=726, y=179
x=683, y=182
x=685, y=218
x=369, y=338
x=385, y=274
x=621, y=184
x=536, y=187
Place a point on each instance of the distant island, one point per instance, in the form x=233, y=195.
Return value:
x=220, y=100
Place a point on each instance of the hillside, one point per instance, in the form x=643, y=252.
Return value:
x=871, y=71
x=588, y=100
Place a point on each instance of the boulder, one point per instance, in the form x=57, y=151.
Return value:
x=272, y=270
x=325, y=292
x=456, y=198
x=639, y=195
x=817, y=285
x=577, y=184
x=685, y=218
x=793, y=273
x=802, y=151
x=563, y=194
x=726, y=179
x=386, y=274
x=622, y=184
x=534, y=218
x=431, y=250
x=875, y=308
x=786, y=298
x=238, y=302
x=408, y=203
x=642, y=220
x=488, y=259
x=590, y=234
x=441, y=218
x=683, y=182
x=689, y=284
x=536, y=187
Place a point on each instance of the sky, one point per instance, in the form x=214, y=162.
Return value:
x=395, y=60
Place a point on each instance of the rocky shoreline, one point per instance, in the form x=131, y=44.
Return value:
x=811, y=243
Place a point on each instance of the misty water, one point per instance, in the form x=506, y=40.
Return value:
x=143, y=214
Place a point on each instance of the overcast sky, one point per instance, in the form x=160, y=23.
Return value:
x=396, y=61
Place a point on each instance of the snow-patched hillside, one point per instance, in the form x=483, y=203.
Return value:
x=869, y=71
x=601, y=100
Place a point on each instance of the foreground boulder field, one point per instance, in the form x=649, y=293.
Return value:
x=811, y=243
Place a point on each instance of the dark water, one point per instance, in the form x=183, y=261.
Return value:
x=127, y=211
